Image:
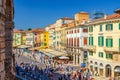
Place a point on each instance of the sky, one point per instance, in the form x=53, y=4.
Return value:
x=40, y=13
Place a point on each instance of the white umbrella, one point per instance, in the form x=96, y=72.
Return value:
x=63, y=57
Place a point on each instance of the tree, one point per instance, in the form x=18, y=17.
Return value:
x=29, y=29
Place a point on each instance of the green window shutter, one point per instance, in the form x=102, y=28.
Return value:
x=88, y=29
x=106, y=42
x=89, y=40
x=98, y=54
x=106, y=55
x=119, y=26
x=111, y=56
x=119, y=42
x=100, y=27
x=111, y=42
x=102, y=54
x=106, y=27
x=99, y=41
x=102, y=40
x=92, y=40
x=111, y=26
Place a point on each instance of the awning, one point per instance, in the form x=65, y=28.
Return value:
x=63, y=57
x=83, y=64
x=117, y=69
x=23, y=46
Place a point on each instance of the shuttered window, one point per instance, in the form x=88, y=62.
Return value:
x=109, y=27
x=109, y=56
x=109, y=42
x=100, y=54
x=100, y=27
x=119, y=26
x=91, y=41
x=101, y=41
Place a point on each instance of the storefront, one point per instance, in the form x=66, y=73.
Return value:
x=117, y=71
x=108, y=70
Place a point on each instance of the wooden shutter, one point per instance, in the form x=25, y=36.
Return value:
x=98, y=54
x=119, y=26
x=111, y=42
x=106, y=55
x=102, y=40
x=111, y=26
x=106, y=42
x=99, y=41
x=106, y=27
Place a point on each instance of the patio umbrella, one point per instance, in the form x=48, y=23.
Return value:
x=63, y=57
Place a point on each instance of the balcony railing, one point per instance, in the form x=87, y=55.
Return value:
x=112, y=49
x=89, y=48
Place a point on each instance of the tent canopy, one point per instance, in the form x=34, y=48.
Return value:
x=63, y=57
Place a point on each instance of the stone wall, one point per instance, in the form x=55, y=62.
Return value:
x=6, y=55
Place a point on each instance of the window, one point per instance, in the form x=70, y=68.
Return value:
x=78, y=31
x=85, y=41
x=119, y=42
x=100, y=54
x=109, y=42
x=90, y=29
x=109, y=27
x=119, y=26
x=78, y=42
x=100, y=27
x=91, y=41
x=109, y=56
x=91, y=53
x=85, y=30
x=101, y=41
x=74, y=31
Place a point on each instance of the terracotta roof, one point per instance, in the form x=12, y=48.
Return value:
x=38, y=30
x=18, y=31
x=113, y=16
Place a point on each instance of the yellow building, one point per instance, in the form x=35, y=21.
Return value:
x=104, y=45
x=44, y=40
x=51, y=29
x=24, y=39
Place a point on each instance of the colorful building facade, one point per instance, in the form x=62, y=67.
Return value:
x=45, y=40
x=104, y=45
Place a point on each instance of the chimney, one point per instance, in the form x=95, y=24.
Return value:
x=105, y=16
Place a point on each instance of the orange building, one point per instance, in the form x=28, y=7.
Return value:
x=81, y=17
x=37, y=40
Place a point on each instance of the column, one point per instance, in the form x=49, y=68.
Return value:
x=76, y=59
x=73, y=58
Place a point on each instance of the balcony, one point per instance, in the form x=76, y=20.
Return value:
x=112, y=49
x=89, y=48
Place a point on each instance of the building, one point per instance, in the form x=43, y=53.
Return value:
x=33, y=37
x=37, y=32
x=51, y=29
x=44, y=40
x=77, y=37
x=18, y=37
x=59, y=23
x=104, y=45
x=6, y=38
x=63, y=42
